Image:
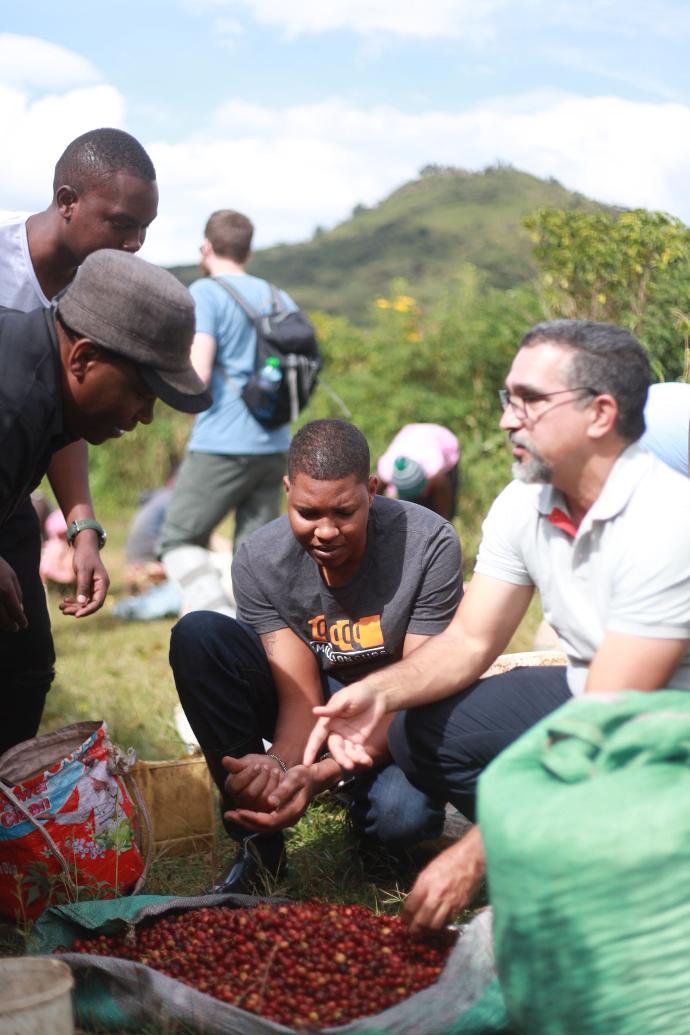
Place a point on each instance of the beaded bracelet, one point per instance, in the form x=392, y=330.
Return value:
x=278, y=759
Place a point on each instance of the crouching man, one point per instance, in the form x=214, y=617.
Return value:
x=90, y=367
x=345, y=584
x=600, y=527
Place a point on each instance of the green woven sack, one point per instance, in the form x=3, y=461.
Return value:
x=586, y=825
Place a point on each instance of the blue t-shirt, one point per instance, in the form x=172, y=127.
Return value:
x=228, y=427
x=667, y=415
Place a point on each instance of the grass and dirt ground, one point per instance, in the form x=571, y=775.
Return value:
x=118, y=671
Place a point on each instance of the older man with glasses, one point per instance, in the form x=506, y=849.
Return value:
x=600, y=527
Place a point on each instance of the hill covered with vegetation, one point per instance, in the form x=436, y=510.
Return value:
x=420, y=302
x=424, y=232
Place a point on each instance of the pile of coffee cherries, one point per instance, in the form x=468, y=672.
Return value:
x=304, y=965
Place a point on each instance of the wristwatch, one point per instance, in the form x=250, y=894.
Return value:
x=80, y=524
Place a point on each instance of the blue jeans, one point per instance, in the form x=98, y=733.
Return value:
x=227, y=691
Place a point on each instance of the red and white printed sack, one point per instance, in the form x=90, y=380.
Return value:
x=68, y=826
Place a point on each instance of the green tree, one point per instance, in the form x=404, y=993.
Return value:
x=632, y=269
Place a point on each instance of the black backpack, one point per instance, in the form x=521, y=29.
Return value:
x=289, y=337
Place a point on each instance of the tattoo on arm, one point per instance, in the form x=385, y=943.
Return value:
x=270, y=643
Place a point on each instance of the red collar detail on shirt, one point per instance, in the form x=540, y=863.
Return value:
x=563, y=521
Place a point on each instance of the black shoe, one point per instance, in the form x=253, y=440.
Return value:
x=260, y=862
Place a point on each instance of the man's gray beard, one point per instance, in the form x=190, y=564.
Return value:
x=533, y=470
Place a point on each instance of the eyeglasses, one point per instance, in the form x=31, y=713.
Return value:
x=519, y=404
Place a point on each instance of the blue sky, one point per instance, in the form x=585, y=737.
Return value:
x=296, y=110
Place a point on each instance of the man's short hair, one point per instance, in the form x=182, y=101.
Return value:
x=328, y=450
x=230, y=234
x=101, y=153
x=606, y=358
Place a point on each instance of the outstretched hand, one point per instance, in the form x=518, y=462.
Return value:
x=447, y=885
x=347, y=722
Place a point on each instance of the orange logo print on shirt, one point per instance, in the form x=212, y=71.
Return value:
x=345, y=635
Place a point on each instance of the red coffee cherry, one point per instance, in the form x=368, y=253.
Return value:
x=307, y=964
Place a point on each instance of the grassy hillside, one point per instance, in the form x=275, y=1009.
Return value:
x=424, y=232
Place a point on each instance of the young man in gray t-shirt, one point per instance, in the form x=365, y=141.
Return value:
x=345, y=583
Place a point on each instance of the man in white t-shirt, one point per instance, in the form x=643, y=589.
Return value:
x=600, y=527
x=104, y=196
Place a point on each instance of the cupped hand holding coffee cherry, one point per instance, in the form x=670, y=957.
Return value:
x=286, y=801
x=252, y=778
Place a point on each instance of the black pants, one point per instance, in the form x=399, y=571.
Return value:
x=226, y=689
x=26, y=658
x=443, y=747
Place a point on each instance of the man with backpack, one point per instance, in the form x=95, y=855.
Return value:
x=235, y=456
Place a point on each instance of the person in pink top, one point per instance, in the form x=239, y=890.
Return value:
x=421, y=464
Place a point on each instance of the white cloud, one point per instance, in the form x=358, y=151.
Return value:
x=48, y=96
x=26, y=61
x=40, y=130
x=291, y=169
x=664, y=19
x=297, y=167
x=433, y=18
x=458, y=19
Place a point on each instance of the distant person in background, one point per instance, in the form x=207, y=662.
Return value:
x=104, y=196
x=56, y=553
x=421, y=465
x=152, y=594
x=232, y=461
x=667, y=416
x=143, y=536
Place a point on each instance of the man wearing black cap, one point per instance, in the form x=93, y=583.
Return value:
x=91, y=367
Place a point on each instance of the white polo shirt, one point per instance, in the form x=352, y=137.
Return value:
x=626, y=569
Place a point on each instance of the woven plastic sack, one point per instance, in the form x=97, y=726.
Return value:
x=66, y=821
x=119, y=995
x=487, y=1017
x=586, y=826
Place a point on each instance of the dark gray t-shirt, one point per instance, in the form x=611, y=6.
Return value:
x=410, y=580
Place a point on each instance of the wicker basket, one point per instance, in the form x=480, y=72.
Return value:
x=180, y=799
